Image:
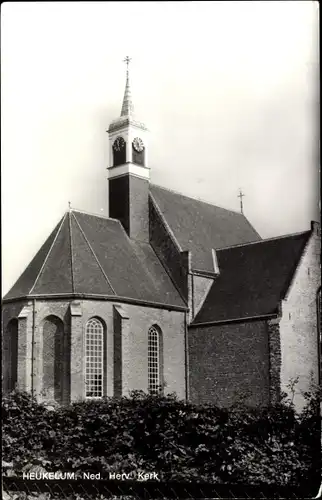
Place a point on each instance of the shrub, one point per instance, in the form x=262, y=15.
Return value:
x=182, y=441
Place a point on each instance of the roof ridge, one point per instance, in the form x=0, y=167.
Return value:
x=264, y=240
x=47, y=256
x=246, y=219
x=95, y=256
x=289, y=281
x=169, y=275
x=71, y=251
x=197, y=199
x=93, y=214
x=167, y=226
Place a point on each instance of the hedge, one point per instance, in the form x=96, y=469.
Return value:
x=181, y=441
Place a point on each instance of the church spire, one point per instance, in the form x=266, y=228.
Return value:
x=241, y=195
x=127, y=106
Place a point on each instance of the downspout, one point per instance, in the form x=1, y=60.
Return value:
x=318, y=313
x=192, y=297
x=186, y=358
x=33, y=344
x=188, y=314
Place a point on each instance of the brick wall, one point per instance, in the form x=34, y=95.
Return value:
x=10, y=356
x=77, y=388
x=135, y=344
x=298, y=325
x=54, y=375
x=59, y=312
x=9, y=313
x=139, y=209
x=275, y=359
x=132, y=328
x=117, y=361
x=228, y=361
x=22, y=313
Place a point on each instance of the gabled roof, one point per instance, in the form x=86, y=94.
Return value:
x=92, y=255
x=253, y=278
x=200, y=227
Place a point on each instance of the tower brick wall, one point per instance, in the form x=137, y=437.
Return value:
x=128, y=202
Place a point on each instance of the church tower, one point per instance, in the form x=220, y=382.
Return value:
x=128, y=169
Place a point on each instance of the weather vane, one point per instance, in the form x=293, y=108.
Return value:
x=241, y=195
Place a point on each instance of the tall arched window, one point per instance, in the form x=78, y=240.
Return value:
x=155, y=361
x=94, y=354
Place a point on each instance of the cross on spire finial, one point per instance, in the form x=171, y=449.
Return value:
x=241, y=195
x=127, y=106
x=127, y=61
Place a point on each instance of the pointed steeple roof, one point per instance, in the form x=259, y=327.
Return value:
x=127, y=106
x=127, y=112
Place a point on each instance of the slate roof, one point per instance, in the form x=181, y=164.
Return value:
x=199, y=226
x=92, y=255
x=253, y=278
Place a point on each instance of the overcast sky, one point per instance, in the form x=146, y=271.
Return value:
x=227, y=89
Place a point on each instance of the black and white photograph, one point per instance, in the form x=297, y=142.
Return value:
x=161, y=250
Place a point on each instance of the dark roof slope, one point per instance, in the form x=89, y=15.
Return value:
x=88, y=254
x=28, y=278
x=129, y=266
x=253, y=278
x=199, y=226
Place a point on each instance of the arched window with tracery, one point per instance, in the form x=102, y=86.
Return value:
x=94, y=354
x=155, y=360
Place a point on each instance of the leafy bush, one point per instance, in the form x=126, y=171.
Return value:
x=179, y=440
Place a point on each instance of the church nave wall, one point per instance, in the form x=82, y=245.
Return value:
x=51, y=346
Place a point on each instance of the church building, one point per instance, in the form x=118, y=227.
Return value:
x=167, y=294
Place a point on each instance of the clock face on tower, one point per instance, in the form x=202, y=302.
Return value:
x=119, y=144
x=138, y=144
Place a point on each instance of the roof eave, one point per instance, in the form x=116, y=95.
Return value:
x=89, y=296
x=205, y=274
x=235, y=320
